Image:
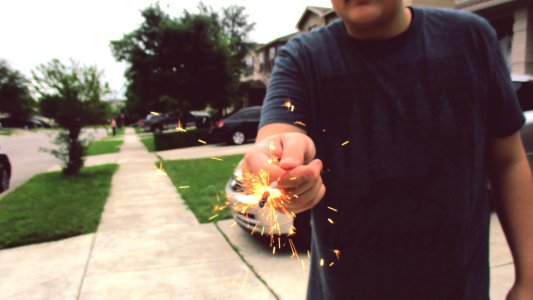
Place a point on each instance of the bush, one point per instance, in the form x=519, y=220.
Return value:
x=173, y=140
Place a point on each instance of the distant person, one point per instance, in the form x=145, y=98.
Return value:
x=114, y=126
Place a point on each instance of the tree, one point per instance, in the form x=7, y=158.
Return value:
x=15, y=98
x=71, y=95
x=177, y=63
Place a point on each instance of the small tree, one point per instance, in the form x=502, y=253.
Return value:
x=71, y=95
x=15, y=98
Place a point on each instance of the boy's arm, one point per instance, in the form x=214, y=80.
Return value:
x=512, y=186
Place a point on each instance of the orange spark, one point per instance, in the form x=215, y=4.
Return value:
x=337, y=253
x=300, y=123
x=333, y=209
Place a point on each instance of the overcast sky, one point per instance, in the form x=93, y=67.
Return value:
x=33, y=32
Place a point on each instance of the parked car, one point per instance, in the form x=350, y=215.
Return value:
x=162, y=122
x=5, y=171
x=258, y=217
x=237, y=127
x=523, y=85
x=527, y=136
x=16, y=122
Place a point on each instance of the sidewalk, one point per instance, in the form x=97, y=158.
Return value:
x=148, y=245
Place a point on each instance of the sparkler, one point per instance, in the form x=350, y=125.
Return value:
x=273, y=185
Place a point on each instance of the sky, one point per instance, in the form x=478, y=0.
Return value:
x=32, y=32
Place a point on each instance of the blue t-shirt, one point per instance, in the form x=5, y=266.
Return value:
x=401, y=126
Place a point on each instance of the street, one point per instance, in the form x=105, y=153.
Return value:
x=23, y=149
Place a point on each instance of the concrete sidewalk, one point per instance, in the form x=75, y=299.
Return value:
x=148, y=245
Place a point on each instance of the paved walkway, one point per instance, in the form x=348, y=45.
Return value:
x=148, y=245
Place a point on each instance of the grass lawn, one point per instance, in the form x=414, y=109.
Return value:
x=103, y=147
x=6, y=131
x=50, y=206
x=206, y=178
x=148, y=142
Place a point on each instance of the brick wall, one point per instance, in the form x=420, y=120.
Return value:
x=522, y=44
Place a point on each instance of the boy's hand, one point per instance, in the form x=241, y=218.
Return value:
x=296, y=152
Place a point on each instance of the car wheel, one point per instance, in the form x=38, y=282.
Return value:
x=238, y=138
x=4, y=180
x=157, y=130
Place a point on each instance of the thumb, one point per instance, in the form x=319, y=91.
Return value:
x=294, y=151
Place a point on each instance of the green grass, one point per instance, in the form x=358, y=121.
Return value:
x=103, y=147
x=148, y=142
x=6, y=131
x=206, y=178
x=51, y=206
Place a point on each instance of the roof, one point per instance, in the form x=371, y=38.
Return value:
x=319, y=11
x=282, y=39
x=477, y=4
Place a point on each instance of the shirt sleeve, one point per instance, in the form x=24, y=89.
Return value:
x=504, y=115
x=286, y=99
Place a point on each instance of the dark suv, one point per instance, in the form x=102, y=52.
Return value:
x=160, y=123
x=237, y=127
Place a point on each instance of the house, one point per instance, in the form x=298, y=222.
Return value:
x=512, y=20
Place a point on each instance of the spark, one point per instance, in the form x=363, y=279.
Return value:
x=212, y=217
x=331, y=221
x=292, y=178
x=202, y=142
x=321, y=262
x=333, y=209
x=300, y=123
x=262, y=230
x=308, y=254
x=184, y=187
x=337, y=253
x=345, y=143
x=324, y=130
x=154, y=113
x=216, y=158
x=293, y=249
x=233, y=224
x=244, y=281
x=271, y=147
x=303, y=264
x=331, y=264
x=180, y=128
x=288, y=104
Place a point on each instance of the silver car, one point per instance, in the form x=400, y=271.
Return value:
x=251, y=217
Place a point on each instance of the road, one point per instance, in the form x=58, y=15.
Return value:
x=23, y=150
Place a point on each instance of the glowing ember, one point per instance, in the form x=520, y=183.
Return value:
x=331, y=221
x=153, y=113
x=321, y=262
x=202, y=142
x=289, y=105
x=180, y=128
x=337, y=253
x=345, y=143
x=300, y=123
x=333, y=209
